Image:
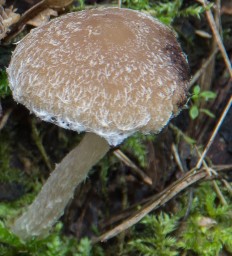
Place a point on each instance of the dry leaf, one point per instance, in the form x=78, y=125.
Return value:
x=42, y=18
x=203, y=34
x=206, y=222
x=8, y=17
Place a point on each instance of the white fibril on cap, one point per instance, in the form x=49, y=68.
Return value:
x=111, y=71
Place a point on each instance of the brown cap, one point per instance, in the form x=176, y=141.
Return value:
x=109, y=71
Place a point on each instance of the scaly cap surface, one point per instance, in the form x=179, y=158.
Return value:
x=109, y=71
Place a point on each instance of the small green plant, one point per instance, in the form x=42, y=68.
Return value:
x=197, y=97
x=4, y=88
x=157, y=238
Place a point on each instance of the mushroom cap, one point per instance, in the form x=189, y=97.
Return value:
x=109, y=71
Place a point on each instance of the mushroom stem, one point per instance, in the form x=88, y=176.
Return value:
x=59, y=188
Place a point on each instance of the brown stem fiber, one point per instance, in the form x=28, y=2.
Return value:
x=59, y=188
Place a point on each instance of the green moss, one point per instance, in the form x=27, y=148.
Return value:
x=207, y=230
x=54, y=244
x=156, y=239
x=12, y=175
x=7, y=172
x=166, y=11
x=136, y=146
x=4, y=87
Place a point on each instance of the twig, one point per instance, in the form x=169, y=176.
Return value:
x=218, y=16
x=219, y=193
x=158, y=200
x=208, y=170
x=226, y=183
x=217, y=36
x=225, y=111
x=201, y=70
x=179, y=163
x=39, y=144
x=178, y=131
x=4, y=119
x=121, y=156
x=228, y=186
x=189, y=203
x=125, y=214
x=177, y=158
x=215, y=185
x=124, y=206
x=220, y=167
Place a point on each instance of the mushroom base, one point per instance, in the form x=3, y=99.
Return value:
x=59, y=188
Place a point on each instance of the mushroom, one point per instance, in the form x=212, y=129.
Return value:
x=110, y=72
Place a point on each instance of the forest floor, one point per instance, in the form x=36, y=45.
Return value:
x=181, y=179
